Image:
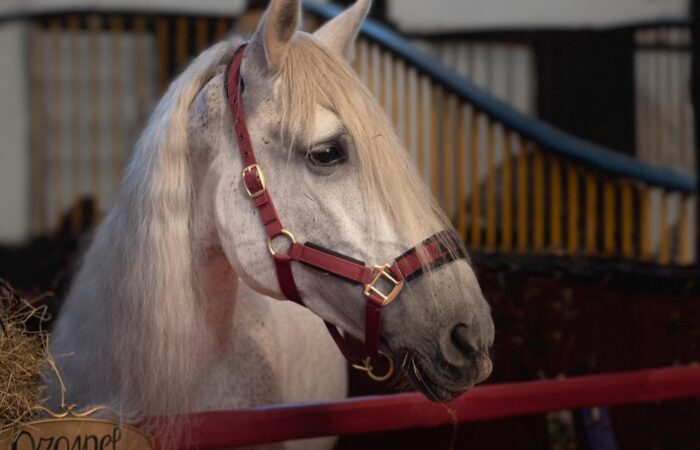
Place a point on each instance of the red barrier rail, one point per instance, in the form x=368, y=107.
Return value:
x=226, y=429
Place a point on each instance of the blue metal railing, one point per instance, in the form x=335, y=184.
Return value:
x=538, y=131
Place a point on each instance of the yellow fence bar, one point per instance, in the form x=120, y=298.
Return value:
x=461, y=172
x=591, y=214
x=507, y=194
x=56, y=115
x=447, y=155
x=573, y=205
x=162, y=38
x=555, y=199
x=645, y=245
x=38, y=187
x=118, y=93
x=94, y=32
x=202, y=34
x=383, y=76
x=378, y=80
x=140, y=68
x=491, y=199
x=222, y=28
x=476, y=189
x=407, y=109
x=684, y=257
x=538, y=200
x=420, y=125
x=609, y=246
x=627, y=219
x=396, y=67
x=357, y=59
x=364, y=63
x=370, y=68
x=75, y=138
x=522, y=197
x=665, y=236
x=436, y=94
x=182, y=41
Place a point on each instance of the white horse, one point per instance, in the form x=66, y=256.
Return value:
x=175, y=307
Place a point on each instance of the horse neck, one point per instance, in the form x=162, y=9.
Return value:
x=217, y=287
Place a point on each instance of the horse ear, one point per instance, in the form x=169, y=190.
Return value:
x=340, y=32
x=275, y=30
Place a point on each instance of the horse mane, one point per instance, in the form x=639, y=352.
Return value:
x=140, y=267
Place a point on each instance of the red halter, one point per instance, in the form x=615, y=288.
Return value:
x=405, y=267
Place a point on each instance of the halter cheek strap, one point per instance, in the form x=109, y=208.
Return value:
x=436, y=249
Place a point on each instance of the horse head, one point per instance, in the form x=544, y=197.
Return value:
x=339, y=177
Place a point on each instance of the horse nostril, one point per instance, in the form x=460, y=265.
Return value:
x=463, y=341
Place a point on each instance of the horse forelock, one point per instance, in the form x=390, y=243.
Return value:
x=315, y=75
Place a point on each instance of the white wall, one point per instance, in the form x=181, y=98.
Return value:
x=228, y=7
x=425, y=15
x=14, y=186
x=455, y=15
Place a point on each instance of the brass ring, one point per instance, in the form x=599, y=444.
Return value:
x=367, y=367
x=388, y=373
x=284, y=232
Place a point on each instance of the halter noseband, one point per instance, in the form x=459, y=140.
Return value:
x=406, y=267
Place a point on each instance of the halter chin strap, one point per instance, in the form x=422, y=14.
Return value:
x=436, y=249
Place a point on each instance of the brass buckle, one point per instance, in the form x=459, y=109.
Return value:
x=366, y=366
x=379, y=273
x=261, y=177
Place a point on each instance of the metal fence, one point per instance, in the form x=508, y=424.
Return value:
x=94, y=81
x=509, y=182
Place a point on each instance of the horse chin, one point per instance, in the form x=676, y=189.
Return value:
x=428, y=382
x=434, y=392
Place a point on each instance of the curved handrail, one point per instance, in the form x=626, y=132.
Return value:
x=549, y=137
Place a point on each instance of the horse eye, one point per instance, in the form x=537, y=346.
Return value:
x=327, y=155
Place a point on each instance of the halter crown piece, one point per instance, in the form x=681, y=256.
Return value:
x=404, y=268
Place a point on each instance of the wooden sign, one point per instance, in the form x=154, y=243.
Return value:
x=70, y=431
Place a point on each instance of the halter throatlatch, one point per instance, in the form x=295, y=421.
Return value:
x=437, y=250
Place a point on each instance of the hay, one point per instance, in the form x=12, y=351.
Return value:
x=23, y=356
